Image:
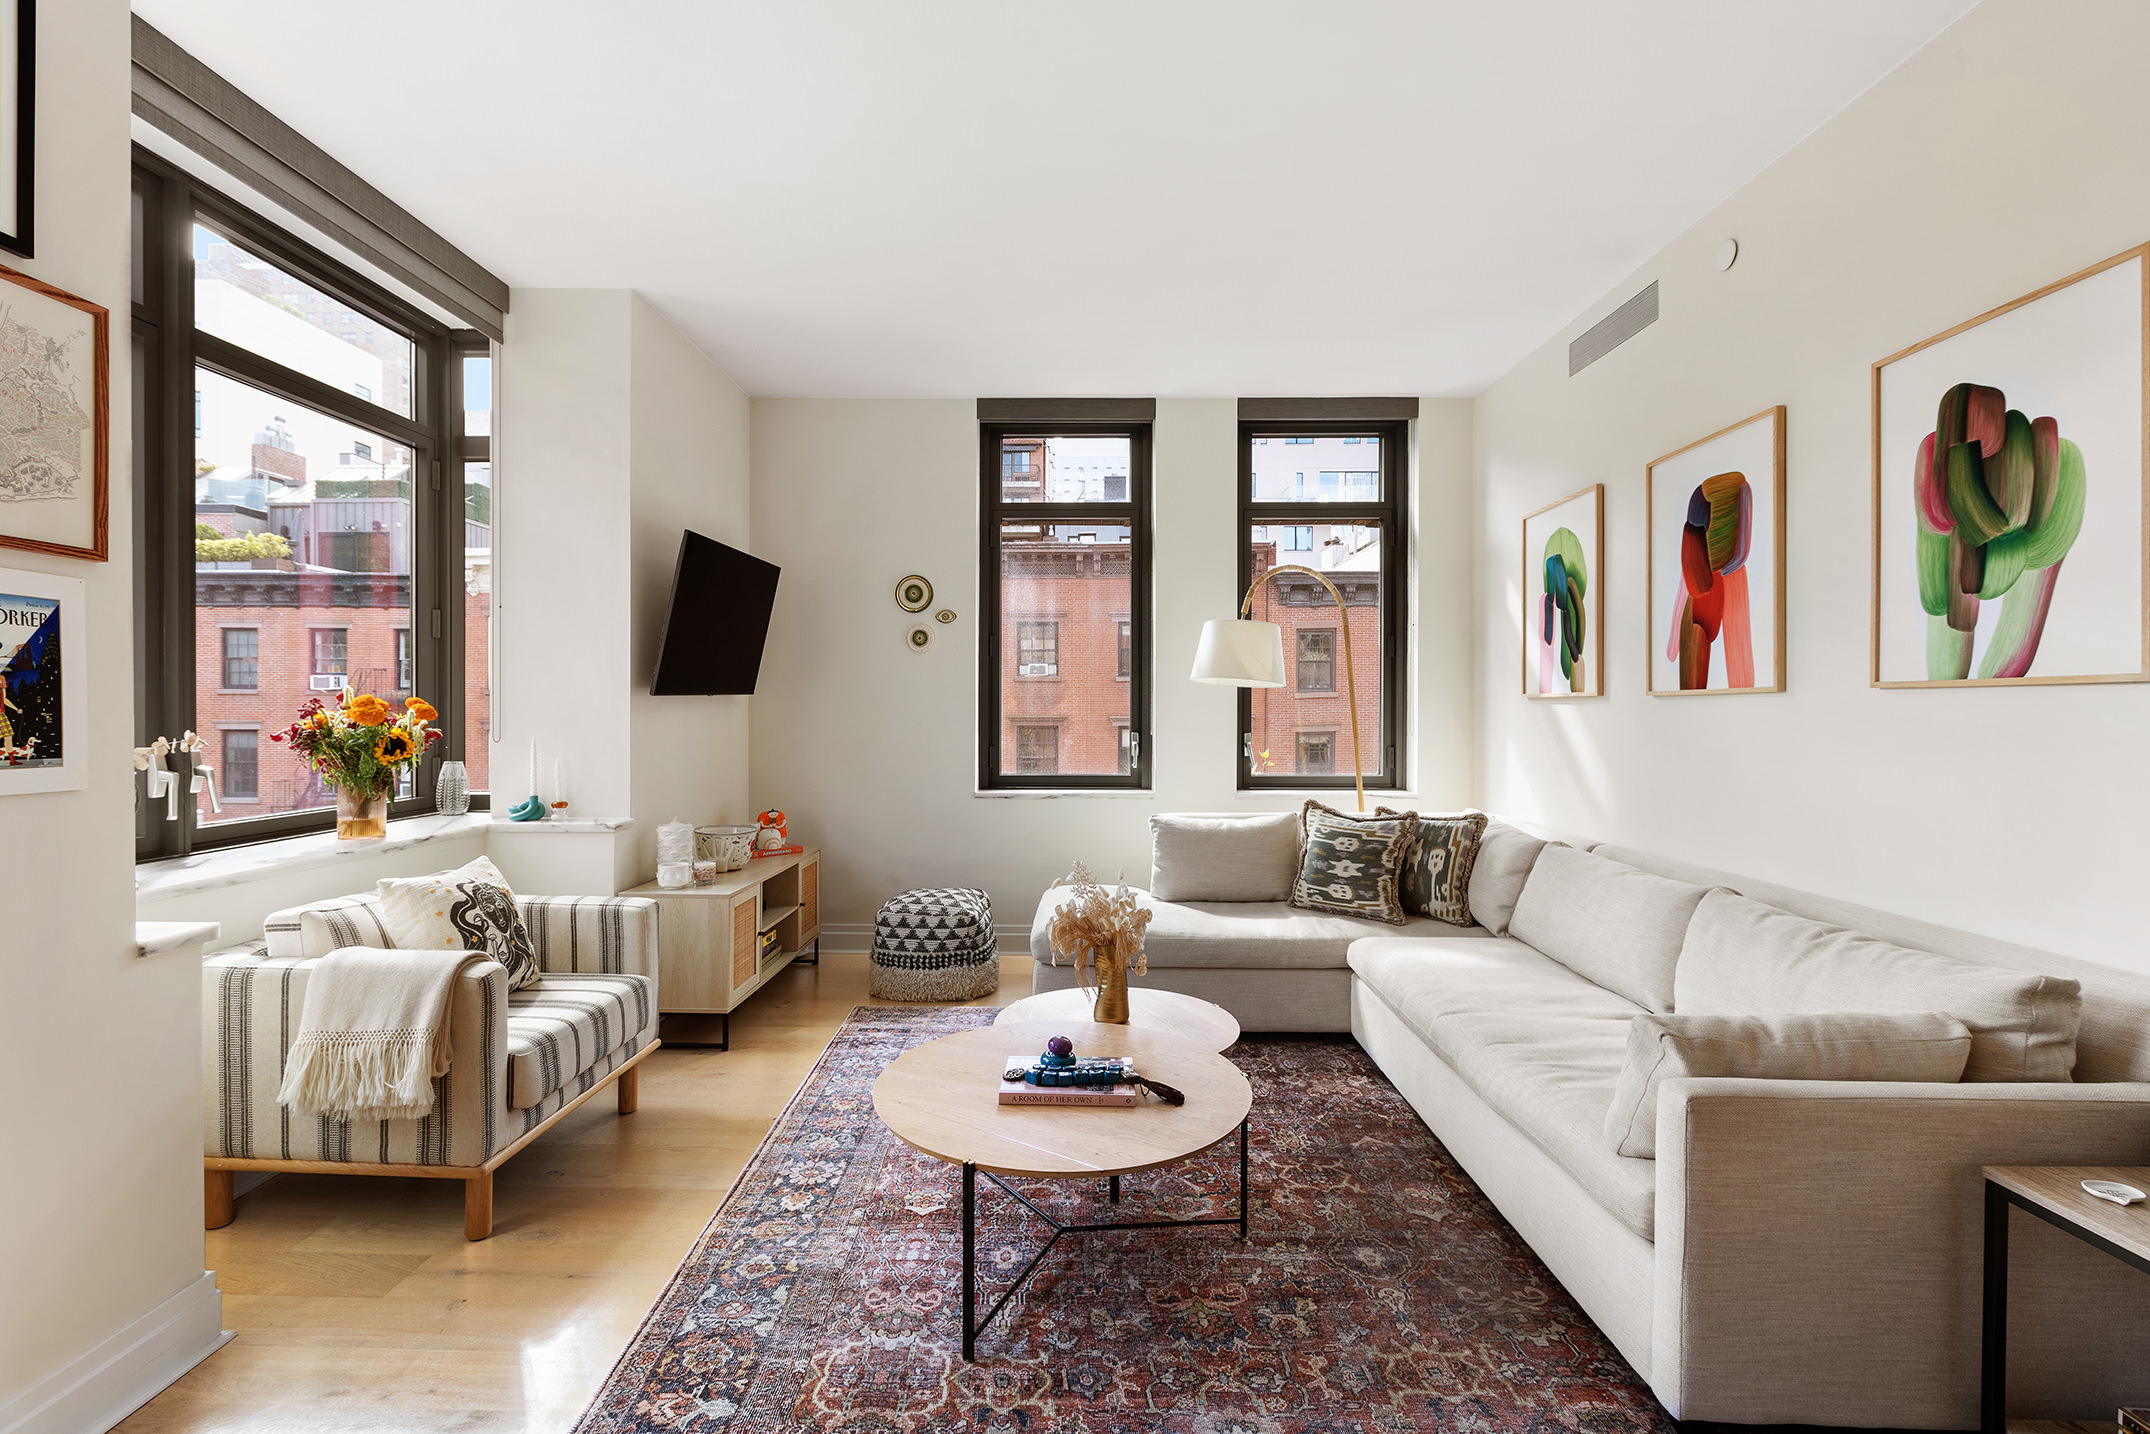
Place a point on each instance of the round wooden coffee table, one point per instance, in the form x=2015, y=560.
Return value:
x=1189, y=1017
x=942, y=1098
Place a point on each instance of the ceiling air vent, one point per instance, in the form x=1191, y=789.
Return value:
x=1615, y=329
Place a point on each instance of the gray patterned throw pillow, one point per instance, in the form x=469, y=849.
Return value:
x=1353, y=864
x=1437, y=874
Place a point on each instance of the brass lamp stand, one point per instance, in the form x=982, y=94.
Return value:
x=1245, y=653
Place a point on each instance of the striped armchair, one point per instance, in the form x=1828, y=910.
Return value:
x=523, y=1059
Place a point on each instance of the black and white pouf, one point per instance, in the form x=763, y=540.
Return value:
x=934, y=945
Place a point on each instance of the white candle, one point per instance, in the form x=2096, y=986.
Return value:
x=559, y=781
x=533, y=766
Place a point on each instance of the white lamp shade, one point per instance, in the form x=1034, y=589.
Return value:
x=1238, y=653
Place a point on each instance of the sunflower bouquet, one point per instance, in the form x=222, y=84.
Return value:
x=359, y=744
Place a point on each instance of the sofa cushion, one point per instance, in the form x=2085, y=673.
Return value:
x=1603, y=919
x=1538, y=1043
x=1352, y=865
x=563, y=1025
x=1743, y=958
x=1230, y=857
x=1833, y=1046
x=1505, y=857
x=1437, y=872
x=1256, y=935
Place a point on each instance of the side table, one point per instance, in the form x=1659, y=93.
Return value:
x=2055, y=1194
x=709, y=937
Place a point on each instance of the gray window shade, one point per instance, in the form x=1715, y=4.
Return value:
x=199, y=108
x=1067, y=410
x=1326, y=410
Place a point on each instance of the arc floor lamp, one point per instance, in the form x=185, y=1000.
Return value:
x=1237, y=652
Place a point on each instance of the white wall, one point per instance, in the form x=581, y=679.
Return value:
x=688, y=455
x=102, y=1223
x=871, y=748
x=614, y=434
x=2007, y=154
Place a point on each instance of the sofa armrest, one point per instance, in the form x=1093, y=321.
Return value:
x=1820, y=1251
x=251, y=1009
x=592, y=933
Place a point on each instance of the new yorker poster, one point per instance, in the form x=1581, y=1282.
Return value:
x=40, y=684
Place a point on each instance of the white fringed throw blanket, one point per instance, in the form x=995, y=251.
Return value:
x=373, y=1034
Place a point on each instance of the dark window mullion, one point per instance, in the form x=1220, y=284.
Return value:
x=245, y=366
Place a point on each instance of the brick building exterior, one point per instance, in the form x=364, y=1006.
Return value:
x=1064, y=656
x=1305, y=727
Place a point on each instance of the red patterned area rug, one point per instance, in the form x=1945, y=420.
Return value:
x=1378, y=1292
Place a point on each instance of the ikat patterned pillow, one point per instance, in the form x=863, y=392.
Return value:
x=1437, y=874
x=1353, y=864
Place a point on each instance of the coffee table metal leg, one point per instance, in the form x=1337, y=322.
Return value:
x=970, y=1260
x=1993, y=1375
x=1243, y=1180
x=1115, y=1195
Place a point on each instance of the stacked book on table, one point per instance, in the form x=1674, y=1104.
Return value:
x=1021, y=1092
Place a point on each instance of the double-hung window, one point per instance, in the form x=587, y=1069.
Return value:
x=1347, y=526
x=302, y=445
x=1065, y=558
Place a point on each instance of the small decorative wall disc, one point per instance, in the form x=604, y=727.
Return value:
x=946, y=614
x=920, y=637
x=914, y=594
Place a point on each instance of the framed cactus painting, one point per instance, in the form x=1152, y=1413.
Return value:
x=2009, y=523
x=1563, y=558
x=1716, y=545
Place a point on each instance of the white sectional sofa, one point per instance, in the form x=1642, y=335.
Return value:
x=1799, y=1251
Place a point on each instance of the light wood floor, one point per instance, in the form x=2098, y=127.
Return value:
x=359, y=1306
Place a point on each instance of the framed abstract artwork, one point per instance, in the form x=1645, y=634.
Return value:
x=55, y=419
x=1563, y=555
x=2009, y=525
x=43, y=710
x=18, y=122
x=1716, y=546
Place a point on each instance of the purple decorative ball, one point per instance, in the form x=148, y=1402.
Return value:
x=1060, y=1046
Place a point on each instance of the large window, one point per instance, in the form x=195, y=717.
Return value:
x=301, y=445
x=1327, y=497
x=1064, y=692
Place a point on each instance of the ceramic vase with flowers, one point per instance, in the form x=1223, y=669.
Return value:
x=1103, y=929
x=358, y=746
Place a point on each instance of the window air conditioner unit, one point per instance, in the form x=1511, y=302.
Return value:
x=1037, y=669
x=325, y=682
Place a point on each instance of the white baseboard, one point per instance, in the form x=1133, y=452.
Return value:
x=855, y=938
x=106, y=1383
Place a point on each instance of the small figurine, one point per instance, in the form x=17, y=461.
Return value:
x=1058, y=1066
x=774, y=837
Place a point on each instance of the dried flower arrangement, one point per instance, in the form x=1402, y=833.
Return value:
x=1104, y=929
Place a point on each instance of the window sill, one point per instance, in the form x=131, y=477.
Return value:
x=1123, y=793
x=167, y=880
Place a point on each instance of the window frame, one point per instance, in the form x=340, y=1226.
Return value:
x=1392, y=512
x=229, y=791
x=225, y=657
x=1134, y=515
x=1300, y=660
x=168, y=350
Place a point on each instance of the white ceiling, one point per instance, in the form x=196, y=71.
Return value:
x=964, y=197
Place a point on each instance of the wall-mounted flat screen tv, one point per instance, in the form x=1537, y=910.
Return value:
x=718, y=622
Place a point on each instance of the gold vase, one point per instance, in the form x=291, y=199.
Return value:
x=361, y=817
x=1111, y=1006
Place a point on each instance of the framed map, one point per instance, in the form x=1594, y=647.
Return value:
x=55, y=419
x=42, y=707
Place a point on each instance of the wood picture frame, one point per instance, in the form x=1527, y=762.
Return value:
x=1543, y=668
x=18, y=125
x=1747, y=450
x=55, y=481
x=2076, y=353
x=44, y=702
